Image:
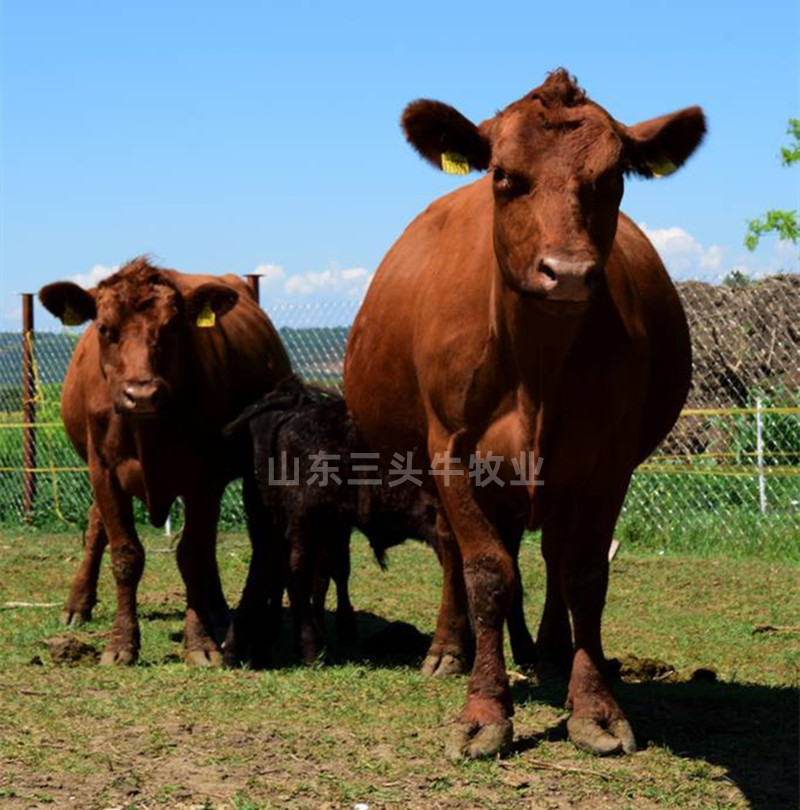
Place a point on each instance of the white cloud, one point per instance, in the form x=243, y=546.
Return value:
x=687, y=258
x=769, y=259
x=683, y=255
x=94, y=276
x=271, y=274
x=331, y=283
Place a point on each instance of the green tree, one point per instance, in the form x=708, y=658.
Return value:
x=737, y=278
x=783, y=223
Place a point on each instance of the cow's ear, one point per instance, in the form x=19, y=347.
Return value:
x=661, y=145
x=210, y=301
x=446, y=138
x=71, y=304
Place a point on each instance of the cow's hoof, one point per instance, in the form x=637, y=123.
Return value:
x=241, y=648
x=443, y=665
x=312, y=654
x=118, y=656
x=75, y=618
x=473, y=741
x=590, y=735
x=203, y=658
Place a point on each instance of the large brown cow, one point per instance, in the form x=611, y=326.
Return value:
x=524, y=313
x=168, y=360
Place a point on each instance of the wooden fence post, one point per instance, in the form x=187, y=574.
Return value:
x=28, y=410
x=252, y=282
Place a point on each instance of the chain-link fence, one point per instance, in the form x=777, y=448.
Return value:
x=730, y=470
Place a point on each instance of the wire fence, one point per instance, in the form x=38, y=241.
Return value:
x=729, y=471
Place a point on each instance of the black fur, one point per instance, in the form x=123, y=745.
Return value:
x=311, y=524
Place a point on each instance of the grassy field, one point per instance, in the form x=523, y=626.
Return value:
x=366, y=728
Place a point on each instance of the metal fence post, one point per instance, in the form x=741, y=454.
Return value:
x=762, y=488
x=28, y=410
x=252, y=283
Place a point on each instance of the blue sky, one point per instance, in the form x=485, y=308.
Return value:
x=223, y=137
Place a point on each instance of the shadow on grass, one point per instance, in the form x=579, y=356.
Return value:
x=748, y=729
x=160, y=615
x=377, y=642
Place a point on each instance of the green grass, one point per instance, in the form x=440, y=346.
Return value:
x=367, y=727
x=679, y=509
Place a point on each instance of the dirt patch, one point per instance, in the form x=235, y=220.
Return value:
x=632, y=669
x=71, y=651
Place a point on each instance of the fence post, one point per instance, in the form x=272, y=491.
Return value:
x=252, y=283
x=762, y=488
x=28, y=410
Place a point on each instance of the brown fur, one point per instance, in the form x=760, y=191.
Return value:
x=144, y=402
x=524, y=312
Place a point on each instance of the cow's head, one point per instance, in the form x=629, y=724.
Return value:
x=557, y=161
x=142, y=322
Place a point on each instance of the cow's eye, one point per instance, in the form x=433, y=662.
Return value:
x=107, y=332
x=509, y=184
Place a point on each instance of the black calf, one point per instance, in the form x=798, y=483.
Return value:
x=302, y=528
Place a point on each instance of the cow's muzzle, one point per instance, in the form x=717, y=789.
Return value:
x=564, y=280
x=141, y=397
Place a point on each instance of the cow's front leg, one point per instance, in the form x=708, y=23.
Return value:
x=452, y=648
x=83, y=593
x=207, y=616
x=127, y=563
x=303, y=551
x=483, y=728
x=253, y=629
x=597, y=724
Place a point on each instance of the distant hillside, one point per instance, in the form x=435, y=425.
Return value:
x=316, y=354
x=745, y=339
x=53, y=352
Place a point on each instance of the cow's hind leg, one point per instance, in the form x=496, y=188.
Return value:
x=522, y=646
x=452, y=648
x=333, y=562
x=597, y=724
x=322, y=584
x=207, y=616
x=340, y=571
x=83, y=593
x=554, y=641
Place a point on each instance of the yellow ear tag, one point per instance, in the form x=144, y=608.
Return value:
x=206, y=317
x=662, y=167
x=454, y=163
x=69, y=317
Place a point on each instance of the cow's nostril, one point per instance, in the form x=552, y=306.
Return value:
x=548, y=271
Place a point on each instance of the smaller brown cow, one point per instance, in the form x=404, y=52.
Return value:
x=167, y=361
